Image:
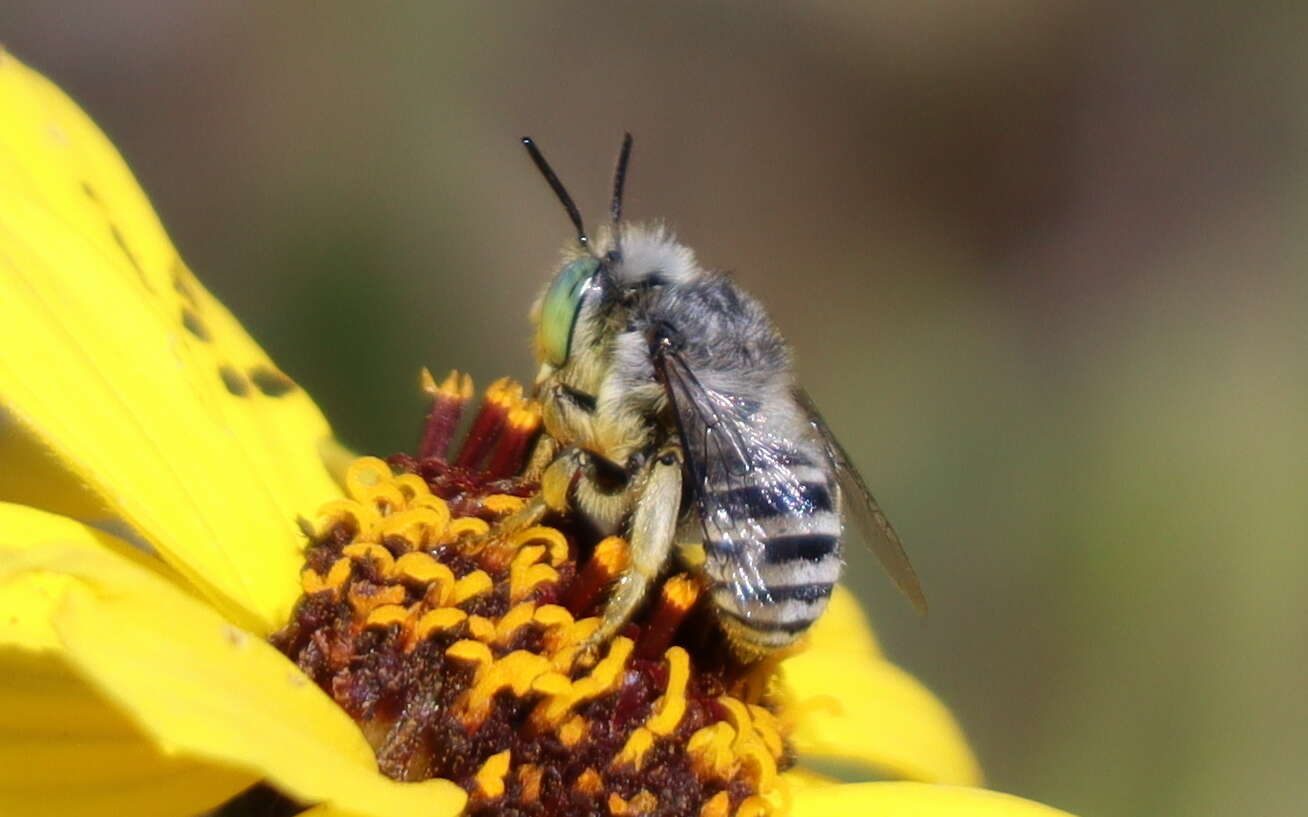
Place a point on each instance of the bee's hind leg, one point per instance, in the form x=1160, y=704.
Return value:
x=653, y=529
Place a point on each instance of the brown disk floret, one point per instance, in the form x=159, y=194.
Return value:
x=458, y=654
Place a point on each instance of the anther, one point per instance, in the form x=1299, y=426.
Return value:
x=501, y=397
x=634, y=750
x=520, y=428
x=447, y=403
x=471, y=586
x=365, y=598
x=437, y=621
x=676, y=599
x=502, y=504
x=671, y=706
x=719, y=805
x=589, y=782
x=514, y=672
x=385, y=615
x=490, y=777
x=529, y=777
x=710, y=752
x=606, y=564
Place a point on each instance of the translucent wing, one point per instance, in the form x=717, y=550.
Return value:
x=869, y=523
x=739, y=472
x=125, y=383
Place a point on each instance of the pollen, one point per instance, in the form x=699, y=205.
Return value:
x=460, y=652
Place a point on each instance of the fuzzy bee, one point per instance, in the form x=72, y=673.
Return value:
x=671, y=415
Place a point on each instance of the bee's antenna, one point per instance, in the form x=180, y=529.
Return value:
x=557, y=187
x=620, y=177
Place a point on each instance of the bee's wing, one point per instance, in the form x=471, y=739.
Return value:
x=869, y=523
x=739, y=473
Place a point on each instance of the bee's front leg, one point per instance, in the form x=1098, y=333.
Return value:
x=543, y=454
x=653, y=528
x=556, y=480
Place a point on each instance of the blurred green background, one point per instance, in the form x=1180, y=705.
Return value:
x=1042, y=262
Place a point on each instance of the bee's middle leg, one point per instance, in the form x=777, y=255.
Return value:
x=653, y=528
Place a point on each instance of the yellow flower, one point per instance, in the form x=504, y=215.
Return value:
x=153, y=462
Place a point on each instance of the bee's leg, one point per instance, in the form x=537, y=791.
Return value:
x=653, y=528
x=555, y=483
x=545, y=452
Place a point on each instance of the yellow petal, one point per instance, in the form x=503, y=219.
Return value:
x=135, y=381
x=202, y=689
x=850, y=704
x=912, y=800
x=67, y=751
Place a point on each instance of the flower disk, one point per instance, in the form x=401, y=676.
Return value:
x=459, y=654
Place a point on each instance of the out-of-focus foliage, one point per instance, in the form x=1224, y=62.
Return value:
x=1042, y=261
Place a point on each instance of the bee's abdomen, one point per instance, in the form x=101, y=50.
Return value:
x=774, y=566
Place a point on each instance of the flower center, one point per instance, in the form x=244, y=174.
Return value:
x=459, y=656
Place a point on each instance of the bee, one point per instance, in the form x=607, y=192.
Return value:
x=671, y=415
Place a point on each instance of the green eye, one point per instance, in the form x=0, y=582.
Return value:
x=559, y=310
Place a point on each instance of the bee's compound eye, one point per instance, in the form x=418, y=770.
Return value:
x=562, y=304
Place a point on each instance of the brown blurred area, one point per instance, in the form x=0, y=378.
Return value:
x=1042, y=263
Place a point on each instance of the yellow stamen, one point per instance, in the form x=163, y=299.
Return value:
x=365, y=474
x=436, y=621
x=511, y=621
x=768, y=728
x=529, y=777
x=553, y=615
x=470, y=586
x=413, y=487
x=554, y=540
x=643, y=803
x=500, y=504
x=565, y=641
x=421, y=569
x=465, y=527
x=611, y=555
x=633, y=752
x=604, y=677
x=523, y=419
x=749, y=745
x=339, y=573
x=524, y=576
x=710, y=751
x=362, y=519
x=427, y=382
x=719, y=805
x=490, y=777
x=386, y=498
x=481, y=628
x=365, y=598
x=473, y=652
x=753, y=806
x=386, y=615
x=589, y=782
x=572, y=731
x=681, y=591
x=514, y=672
x=417, y=526
x=760, y=766
x=671, y=706
x=377, y=554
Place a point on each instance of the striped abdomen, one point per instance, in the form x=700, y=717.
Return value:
x=773, y=552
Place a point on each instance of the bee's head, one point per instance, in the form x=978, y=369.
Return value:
x=576, y=289
x=575, y=293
